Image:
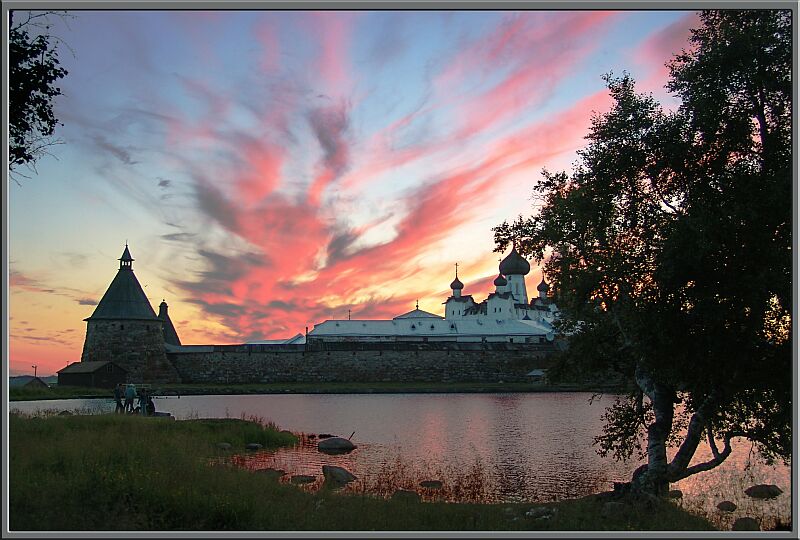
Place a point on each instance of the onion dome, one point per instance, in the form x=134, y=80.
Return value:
x=500, y=281
x=543, y=286
x=514, y=264
x=456, y=285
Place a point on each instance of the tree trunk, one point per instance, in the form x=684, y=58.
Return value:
x=654, y=480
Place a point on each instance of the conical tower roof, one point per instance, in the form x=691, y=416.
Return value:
x=170, y=335
x=125, y=298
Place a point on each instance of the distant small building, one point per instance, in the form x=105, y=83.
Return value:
x=101, y=374
x=538, y=376
x=36, y=382
x=27, y=382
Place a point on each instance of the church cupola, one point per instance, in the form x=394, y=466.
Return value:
x=514, y=264
x=456, y=285
x=500, y=283
x=543, y=288
x=126, y=259
x=514, y=267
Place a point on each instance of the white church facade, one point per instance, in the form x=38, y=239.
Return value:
x=506, y=315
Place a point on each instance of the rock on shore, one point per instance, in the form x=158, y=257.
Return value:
x=337, y=475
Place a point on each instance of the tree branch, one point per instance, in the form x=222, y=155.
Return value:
x=712, y=463
x=694, y=433
x=711, y=443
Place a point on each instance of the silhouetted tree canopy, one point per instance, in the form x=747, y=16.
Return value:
x=34, y=70
x=669, y=248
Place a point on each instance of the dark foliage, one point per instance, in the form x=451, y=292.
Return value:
x=33, y=72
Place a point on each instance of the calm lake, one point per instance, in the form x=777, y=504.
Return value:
x=526, y=446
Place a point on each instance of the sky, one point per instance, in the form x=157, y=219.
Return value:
x=271, y=170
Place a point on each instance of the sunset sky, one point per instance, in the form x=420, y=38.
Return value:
x=270, y=170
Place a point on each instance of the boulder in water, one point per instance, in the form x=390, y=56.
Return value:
x=335, y=445
x=727, y=506
x=763, y=491
x=224, y=445
x=254, y=446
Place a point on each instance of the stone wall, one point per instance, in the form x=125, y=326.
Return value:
x=135, y=345
x=230, y=366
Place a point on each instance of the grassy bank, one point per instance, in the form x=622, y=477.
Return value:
x=56, y=392
x=110, y=472
x=17, y=394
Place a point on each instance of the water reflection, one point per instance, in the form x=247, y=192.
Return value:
x=528, y=447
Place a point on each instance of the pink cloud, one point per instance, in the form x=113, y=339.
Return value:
x=658, y=49
x=297, y=232
x=539, y=62
x=334, y=30
x=267, y=35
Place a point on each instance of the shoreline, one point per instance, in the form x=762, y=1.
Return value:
x=318, y=388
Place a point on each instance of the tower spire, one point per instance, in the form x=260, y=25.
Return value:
x=126, y=259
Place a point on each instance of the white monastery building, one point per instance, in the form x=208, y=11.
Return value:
x=506, y=315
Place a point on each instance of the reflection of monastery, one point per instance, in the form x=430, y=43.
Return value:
x=506, y=315
x=506, y=337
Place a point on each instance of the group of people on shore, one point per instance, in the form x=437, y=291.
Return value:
x=145, y=407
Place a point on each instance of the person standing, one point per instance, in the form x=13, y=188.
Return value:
x=143, y=402
x=118, y=399
x=130, y=393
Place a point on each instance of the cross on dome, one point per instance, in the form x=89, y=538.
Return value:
x=456, y=285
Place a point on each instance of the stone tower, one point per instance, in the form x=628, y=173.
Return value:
x=124, y=329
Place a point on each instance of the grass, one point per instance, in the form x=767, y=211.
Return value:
x=118, y=472
x=16, y=393
x=57, y=392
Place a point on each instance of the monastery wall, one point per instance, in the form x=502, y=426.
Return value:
x=228, y=367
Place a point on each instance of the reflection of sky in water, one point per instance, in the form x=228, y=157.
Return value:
x=531, y=446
